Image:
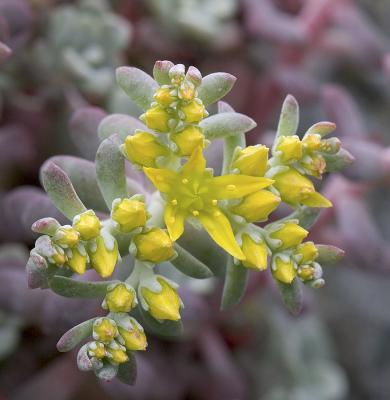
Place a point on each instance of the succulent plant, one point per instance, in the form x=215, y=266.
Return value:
x=147, y=228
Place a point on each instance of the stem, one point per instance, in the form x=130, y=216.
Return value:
x=230, y=144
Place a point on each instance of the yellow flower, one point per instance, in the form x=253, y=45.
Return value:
x=255, y=253
x=307, y=252
x=164, y=305
x=120, y=298
x=257, y=206
x=290, y=148
x=290, y=235
x=164, y=97
x=66, y=236
x=186, y=91
x=157, y=118
x=193, y=191
x=104, y=329
x=134, y=338
x=143, y=149
x=194, y=111
x=87, y=224
x=296, y=189
x=252, y=160
x=129, y=214
x=103, y=259
x=78, y=261
x=188, y=139
x=154, y=246
x=284, y=271
x=96, y=349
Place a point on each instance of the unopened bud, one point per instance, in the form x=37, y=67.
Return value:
x=257, y=206
x=289, y=235
x=104, y=329
x=290, y=148
x=66, y=236
x=164, y=96
x=193, y=112
x=96, y=349
x=87, y=224
x=283, y=269
x=154, y=246
x=78, y=260
x=306, y=252
x=103, y=257
x=133, y=335
x=252, y=160
x=116, y=353
x=157, y=118
x=188, y=140
x=194, y=75
x=161, y=72
x=164, y=304
x=129, y=214
x=120, y=298
x=312, y=142
x=256, y=253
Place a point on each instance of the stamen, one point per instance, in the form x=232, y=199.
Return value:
x=174, y=202
x=214, y=202
x=185, y=181
x=231, y=187
x=195, y=213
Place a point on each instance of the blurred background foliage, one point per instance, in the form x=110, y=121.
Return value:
x=57, y=82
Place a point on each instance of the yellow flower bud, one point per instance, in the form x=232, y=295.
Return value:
x=157, y=118
x=97, y=349
x=117, y=355
x=154, y=246
x=290, y=234
x=78, y=261
x=295, y=189
x=257, y=206
x=164, y=97
x=186, y=91
x=312, y=142
x=143, y=149
x=290, y=147
x=316, y=167
x=193, y=111
x=188, y=139
x=252, y=160
x=129, y=214
x=164, y=305
x=59, y=257
x=134, y=338
x=87, y=224
x=120, y=299
x=306, y=272
x=255, y=253
x=307, y=252
x=104, y=329
x=66, y=236
x=103, y=260
x=284, y=271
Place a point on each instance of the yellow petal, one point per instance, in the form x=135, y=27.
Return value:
x=236, y=186
x=219, y=228
x=174, y=220
x=195, y=165
x=103, y=260
x=316, y=199
x=77, y=262
x=163, y=179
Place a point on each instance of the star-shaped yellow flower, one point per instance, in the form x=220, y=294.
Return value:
x=194, y=191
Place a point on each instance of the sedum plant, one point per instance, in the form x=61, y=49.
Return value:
x=229, y=212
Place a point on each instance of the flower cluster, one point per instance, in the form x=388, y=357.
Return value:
x=232, y=209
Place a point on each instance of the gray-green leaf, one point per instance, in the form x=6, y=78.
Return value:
x=74, y=336
x=235, y=284
x=68, y=287
x=215, y=86
x=60, y=190
x=110, y=170
x=292, y=295
x=137, y=84
x=328, y=254
x=289, y=117
x=190, y=265
x=127, y=372
x=226, y=124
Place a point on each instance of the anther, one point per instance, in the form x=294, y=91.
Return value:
x=174, y=202
x=214, y=202
x=185, y=181
x=195, y=213
x=231, y=187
